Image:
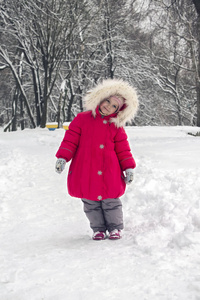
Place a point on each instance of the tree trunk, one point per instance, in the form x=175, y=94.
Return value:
x=44, y=113
x=198, y=76
x=19, y=86
x=197, y=6
x=45, y=100
x=14, y=110
x=108, y=39
x=22, y=121
x=37, y=93
x=59, y=109
x=71, y=100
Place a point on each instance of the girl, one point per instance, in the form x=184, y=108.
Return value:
x=97, y=144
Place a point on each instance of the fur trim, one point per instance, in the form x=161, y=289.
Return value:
x=110, y=87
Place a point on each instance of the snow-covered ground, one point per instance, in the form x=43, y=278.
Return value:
x=46, y=251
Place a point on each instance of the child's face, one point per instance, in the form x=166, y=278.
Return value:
x=109, y=106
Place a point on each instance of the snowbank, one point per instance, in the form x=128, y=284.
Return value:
x=46, y=251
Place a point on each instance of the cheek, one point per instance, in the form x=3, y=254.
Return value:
x=102, y=104
x=114, y=109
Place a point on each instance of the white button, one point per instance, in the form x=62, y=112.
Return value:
x=99, y=173
x=105, y=122
x=99, y=197
x=101, y=146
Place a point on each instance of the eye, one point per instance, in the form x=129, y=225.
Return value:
x=108, y=100
x=114, y=106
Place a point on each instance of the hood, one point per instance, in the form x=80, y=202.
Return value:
x=110, y=87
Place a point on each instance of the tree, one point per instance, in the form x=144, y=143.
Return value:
x=46, y=43
x=17, y=77
x=170, y=49
x=197, y=6
x=42, y=30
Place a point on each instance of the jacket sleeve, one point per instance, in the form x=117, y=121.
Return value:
x=70, y=141
x=123, y=151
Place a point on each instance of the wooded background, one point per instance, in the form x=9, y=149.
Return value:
x=53, y=51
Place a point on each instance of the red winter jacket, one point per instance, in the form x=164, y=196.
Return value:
x=100, y=153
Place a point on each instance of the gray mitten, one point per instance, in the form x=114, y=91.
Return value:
x=129, y=176
x=60, y=165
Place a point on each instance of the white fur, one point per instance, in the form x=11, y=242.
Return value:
x=110, y=87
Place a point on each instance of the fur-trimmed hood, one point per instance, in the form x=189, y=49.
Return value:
x=110, y=87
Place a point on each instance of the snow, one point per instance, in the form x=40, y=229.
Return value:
x=46, y=250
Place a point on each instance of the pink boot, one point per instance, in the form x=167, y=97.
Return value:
x=99, y=235
x=115, y=234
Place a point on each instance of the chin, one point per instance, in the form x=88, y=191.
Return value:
x=105, y=112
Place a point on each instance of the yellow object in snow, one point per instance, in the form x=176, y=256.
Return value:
x=66, y=125
x=52, y=125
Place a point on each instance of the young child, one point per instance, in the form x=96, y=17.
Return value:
x=97, y=144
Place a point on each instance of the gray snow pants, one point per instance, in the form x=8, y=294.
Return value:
x=105, y=214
